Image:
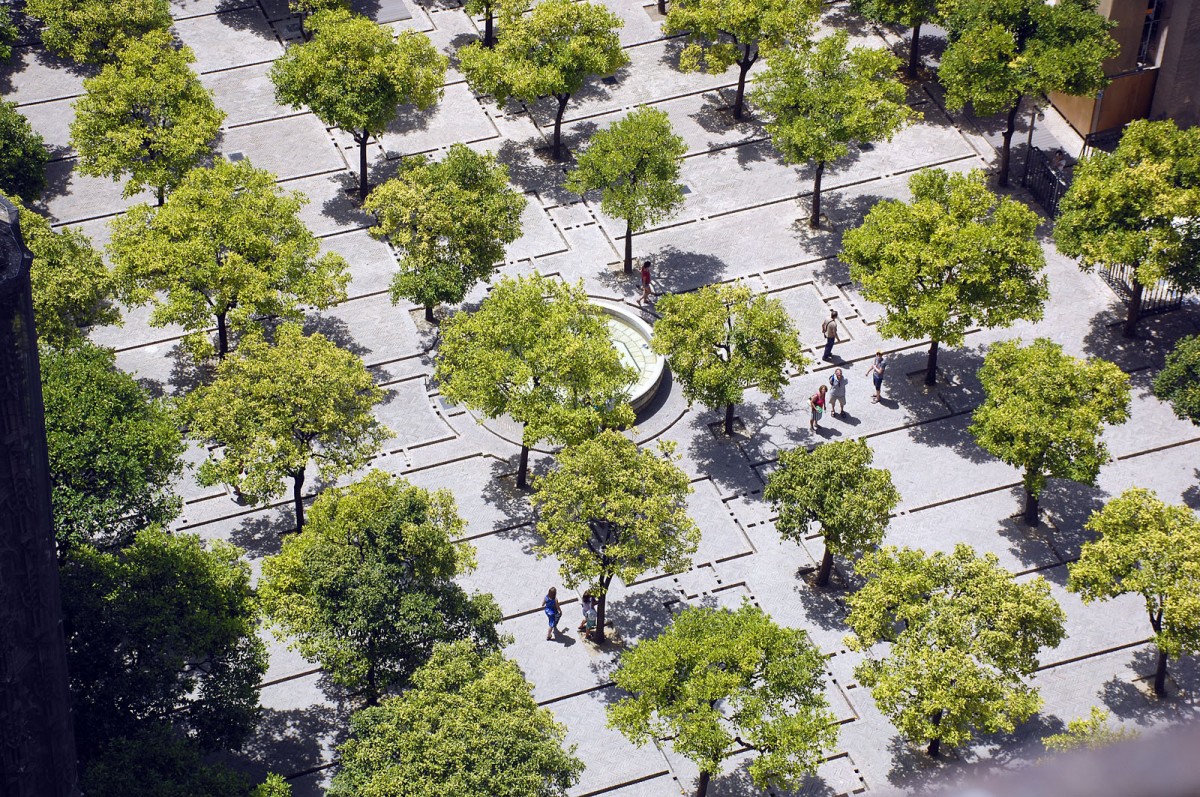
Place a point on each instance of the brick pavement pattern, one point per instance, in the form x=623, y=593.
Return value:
x=744, y=218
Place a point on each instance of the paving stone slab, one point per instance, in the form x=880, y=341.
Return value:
x=72, y=197
x=486, y=500
x=34, y=75
x=457, y=118
x=308, y=149
x=371, y=327
x=333, y=204
x=372, y=262
x=407, y=411
x=245, y=94
x=52, y=121
x=539, y=235
x=229, y=39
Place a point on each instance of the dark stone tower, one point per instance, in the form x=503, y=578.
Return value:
x=37, y=743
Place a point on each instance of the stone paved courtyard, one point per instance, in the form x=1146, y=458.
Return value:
x=740, y=221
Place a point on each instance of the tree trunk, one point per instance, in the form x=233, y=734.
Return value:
x=702, y=785
x=662, y=7
x=489, y=39
x=222, y=337
x=601, y=605
x=523, y=468
x=729, y=419
x=298, y=498
x=628, y=246
x=429, y=314
x=1134, y=310
x=1032, y=507
x=914, y=52
x=1160, y=675
x=935, y=745
x=814, y=221
x=1006, y=147
x=562, y=108
x=826, y=568
x=931, y=364
x=162, y=194
x=362, y=167
x=739, y=100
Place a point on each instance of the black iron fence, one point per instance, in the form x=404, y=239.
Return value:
x=1159, y=298
x=1046, y=179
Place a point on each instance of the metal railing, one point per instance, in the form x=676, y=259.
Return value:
x=1162, y=297
x=1046, y=182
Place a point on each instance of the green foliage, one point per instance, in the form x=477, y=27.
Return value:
x=1001, y=50
x=489, y=9
x=95, y=31
x=833, y=485
x=610, y=509
x=634, y=164
x=468, y=727
x=355, y=75
x=367, y=588
x=1151, y=549
x=907, y=13
x=539, y=351
x=548, y=52
x=306, y=8
x=716, y=680
x=146, y=115
x=1087, y=733
x=723, y=339
x=1127, y=208
x=162, y=631
x=955, y=257
x=8, y=33
x=722, y=33
x=273, y=786
x=156, y=761
x=23, y=155
x=822, y=99
x=71, y=285
x=1045, y=410
x=114, y=450
x=275, y=408
x=228, y=242
x=450, y=219
x=1179, y=380
x=963, y=634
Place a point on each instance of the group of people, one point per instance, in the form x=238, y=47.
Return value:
x=833, y=395
x=587, y=623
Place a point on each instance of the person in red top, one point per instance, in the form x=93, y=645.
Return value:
x=817, y=405
x=645, y=297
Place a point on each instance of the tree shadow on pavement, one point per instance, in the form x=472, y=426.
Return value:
x=531, y=172
x=262, y=534
x=679, y=271
x=1134, y=700
x=288, y=741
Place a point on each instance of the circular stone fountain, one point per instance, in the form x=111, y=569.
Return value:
x=631, y=337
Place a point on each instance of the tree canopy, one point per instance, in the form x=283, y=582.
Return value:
x=489, y=9
x=610, y=509
x=1089, y=733
x=539, y=351
x=963, y=635
x=356, y=75
x=716, y=681
x=833, y=485
x=634, y=164
x=1179, y=380
x=726, y=32
x=367, y=588
x=72, y=288
x=549, y=52
x=1137, y=208
x=163, y=630
x=228, y=243
x=451, y=220
x=1044, y=412
x=468, y=726
x=723, y=339
x=157, y=761
x=999, y=51
x=114, y=451
x=822, y=99
x=1152, y=549
x=8, y=33
x=955, y=257
x=275, y=408
x=145, y=115
x=908, y=13
x=23, y=155
x=96, y=31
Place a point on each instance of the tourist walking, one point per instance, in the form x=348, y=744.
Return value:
x=876, y=369
x=837, y=392
x=553, y=612
x=645, y=297
x=817, y=406
x=829, y=330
